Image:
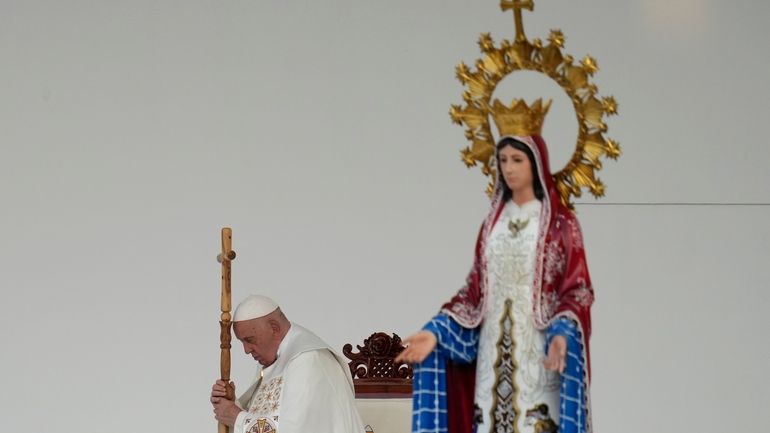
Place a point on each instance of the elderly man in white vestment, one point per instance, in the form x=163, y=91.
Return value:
x=302, y=385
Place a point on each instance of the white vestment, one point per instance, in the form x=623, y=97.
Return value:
x=307, y=389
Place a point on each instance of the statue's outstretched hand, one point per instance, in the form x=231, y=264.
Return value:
x=419, y=346
x=557, y=353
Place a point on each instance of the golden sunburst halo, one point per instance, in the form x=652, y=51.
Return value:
x=574, y=78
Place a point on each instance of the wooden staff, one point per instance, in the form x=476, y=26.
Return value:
x=225, y=258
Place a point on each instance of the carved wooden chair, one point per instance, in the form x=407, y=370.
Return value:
x=383, y=388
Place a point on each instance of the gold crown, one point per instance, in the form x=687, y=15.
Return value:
x=519, y=119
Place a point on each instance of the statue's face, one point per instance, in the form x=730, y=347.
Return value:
x=259, y=339
x=515, y=168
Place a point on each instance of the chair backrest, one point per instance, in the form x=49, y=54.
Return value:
x=383, y=388
x=375, y=374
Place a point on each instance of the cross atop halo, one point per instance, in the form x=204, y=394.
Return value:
x=517, y=6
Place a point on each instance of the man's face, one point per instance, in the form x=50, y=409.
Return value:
x=259, y=339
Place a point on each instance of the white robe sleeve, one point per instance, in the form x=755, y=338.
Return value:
x=317, y=396
x=241, y=423
x=244, y=421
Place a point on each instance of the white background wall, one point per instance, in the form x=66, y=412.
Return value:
x=130, y=132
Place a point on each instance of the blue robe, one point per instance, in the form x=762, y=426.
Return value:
x=458, y=345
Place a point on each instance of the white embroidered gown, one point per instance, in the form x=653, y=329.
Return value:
x=510, y=388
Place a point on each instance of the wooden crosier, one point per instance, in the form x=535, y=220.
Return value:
x=225, y=258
